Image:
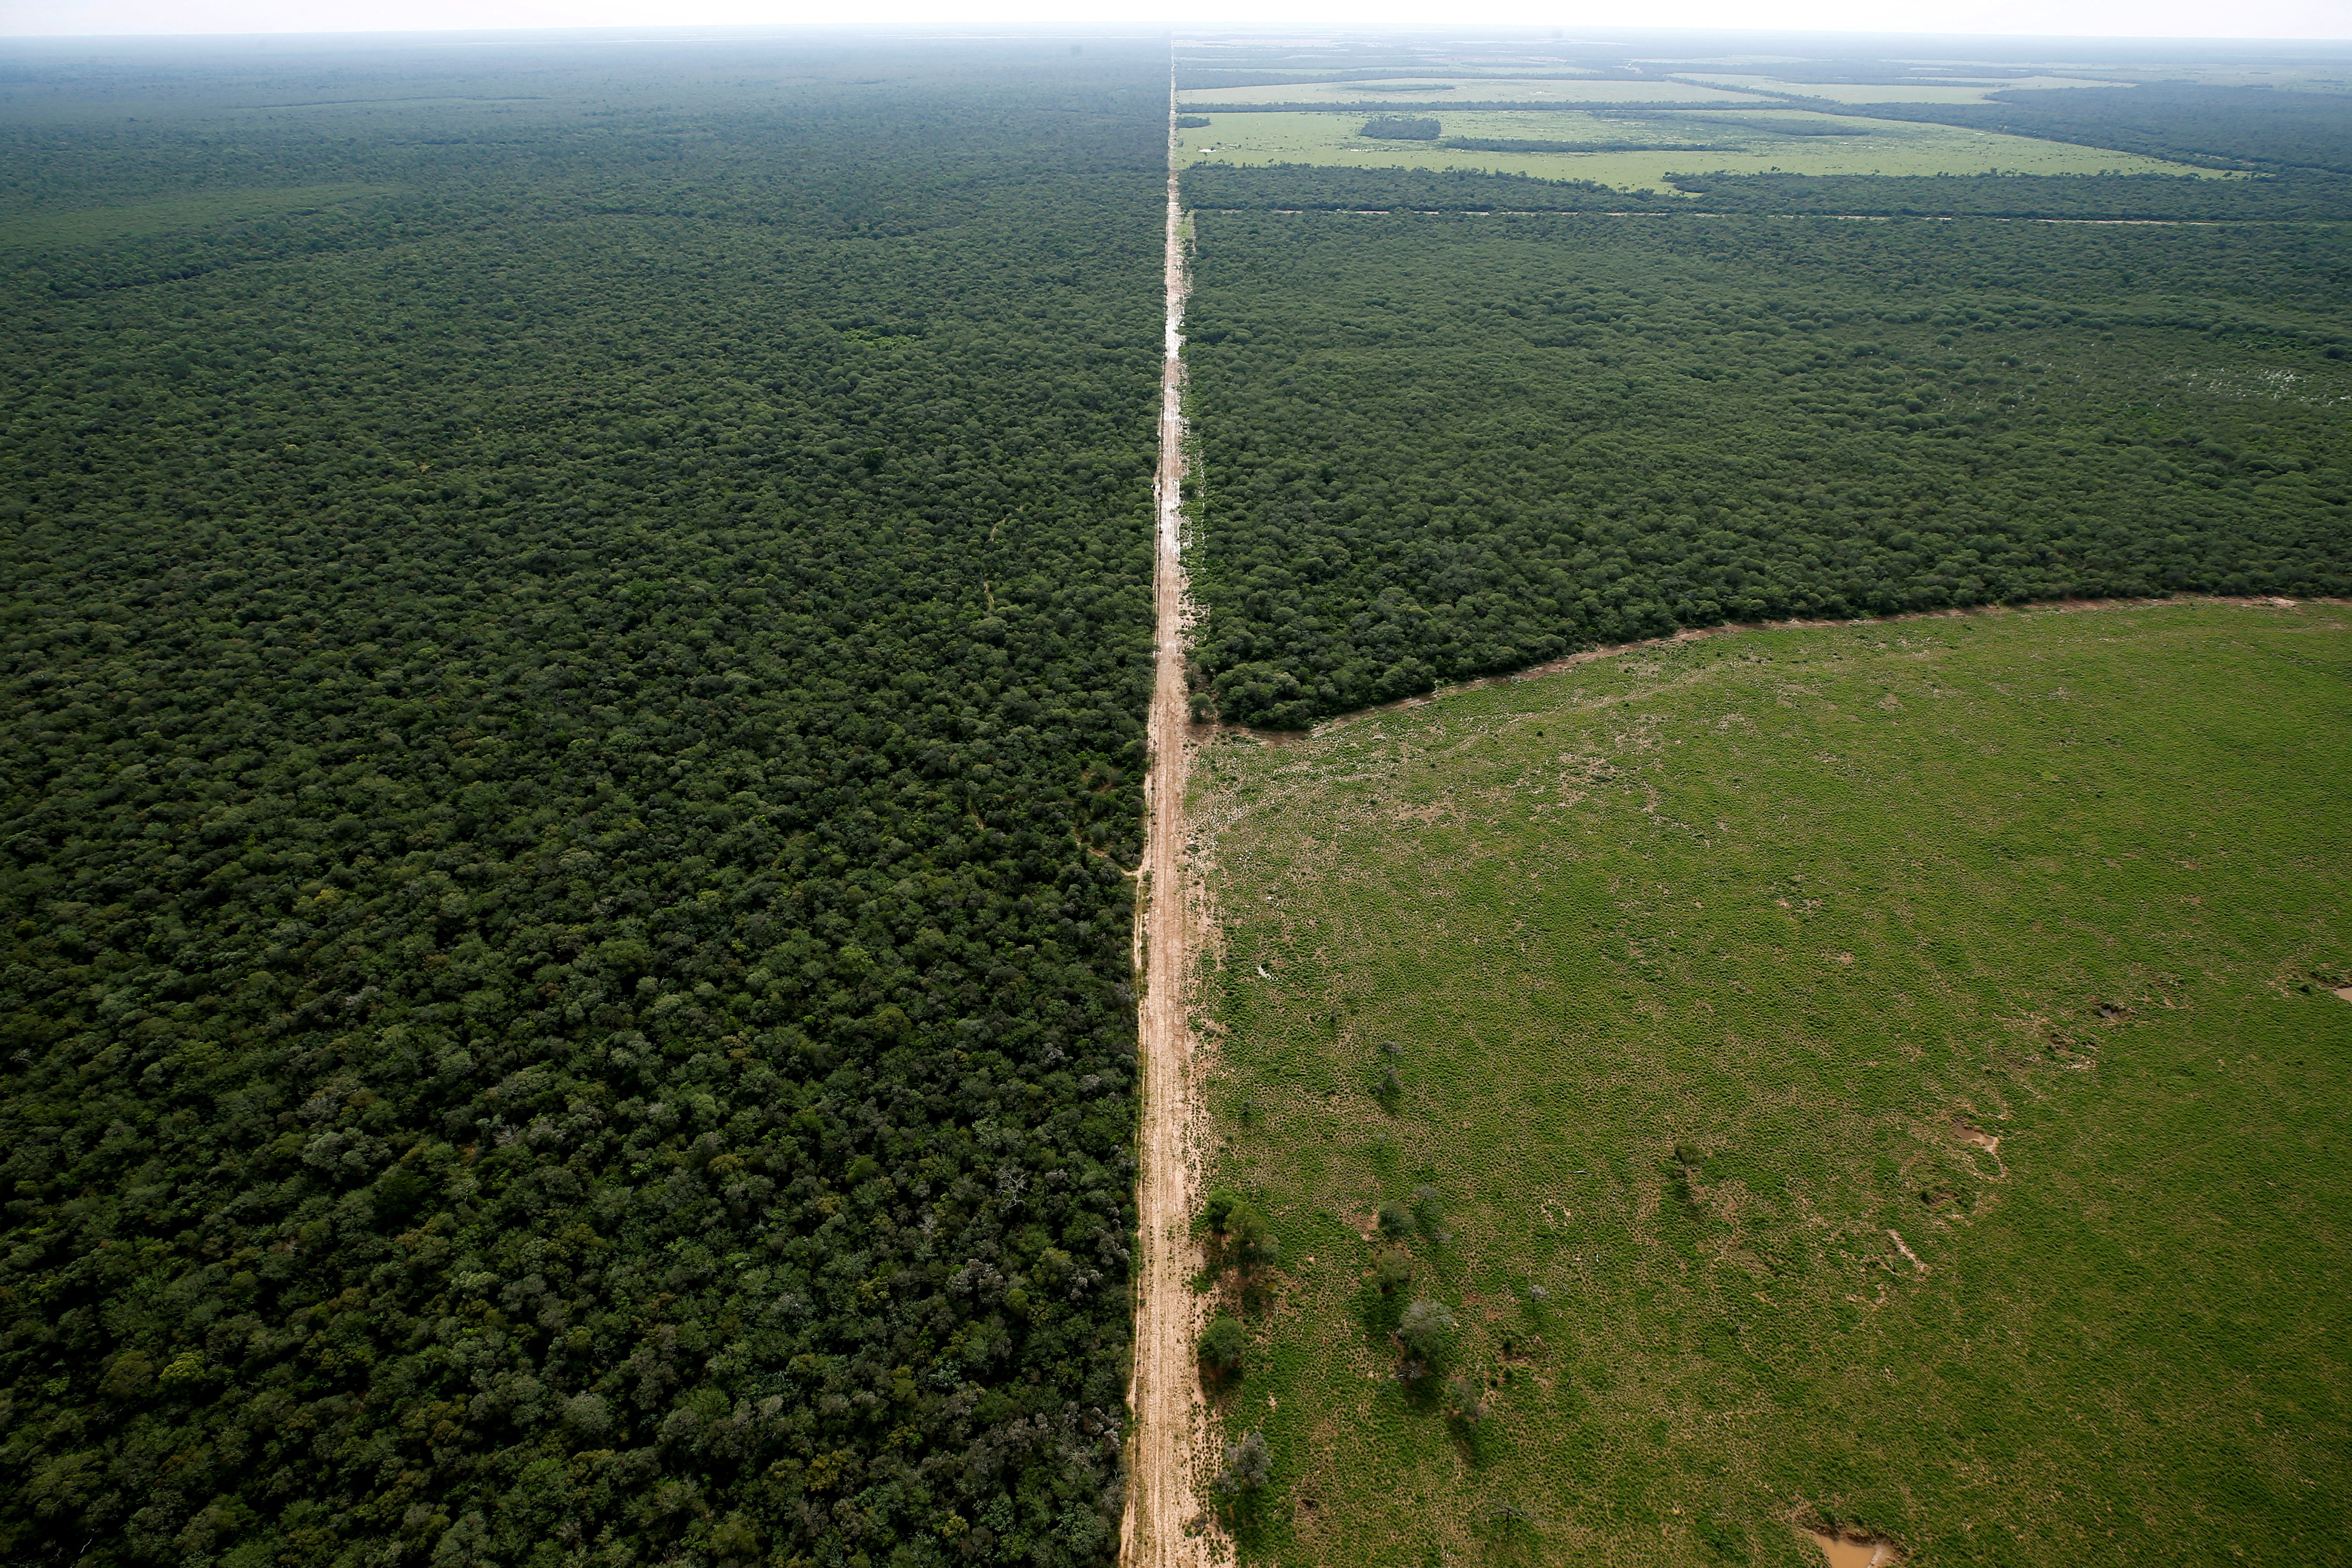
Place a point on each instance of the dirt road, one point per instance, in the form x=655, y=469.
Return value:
x=1162, y=1496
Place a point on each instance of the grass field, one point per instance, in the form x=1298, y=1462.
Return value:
x=1882, y=1075
x=1888, y=93
x=1891, y=147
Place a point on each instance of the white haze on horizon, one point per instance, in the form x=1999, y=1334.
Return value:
x=2303, y=20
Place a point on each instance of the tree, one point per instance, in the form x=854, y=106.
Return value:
x=1466, y=1400
x=1249, y=1465
x=1223, y=1343
x=1241, y=1231
x=1426, y=1331
x=1430, y=1214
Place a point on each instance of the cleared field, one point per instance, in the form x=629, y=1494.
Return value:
x=1436, y=90
x=1750, y=147
x=1885, y=92
x=1882, y=1076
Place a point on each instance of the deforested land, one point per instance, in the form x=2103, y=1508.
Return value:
x=1886, y=1081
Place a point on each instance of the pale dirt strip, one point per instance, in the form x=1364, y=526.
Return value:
x=1169, y=1435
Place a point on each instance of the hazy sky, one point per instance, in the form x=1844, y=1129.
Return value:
x=2129, y=18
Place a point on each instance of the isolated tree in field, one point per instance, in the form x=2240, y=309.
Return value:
x=1465, y=1401
x=1429, y=1214
x=1249, y=1465
x=1241, y=1231
x=1426, y=1331
x=1222, y=1345
x=1218, y=1208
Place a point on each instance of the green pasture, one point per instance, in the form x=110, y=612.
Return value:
x=1878, y=1075
x=1956, y=91
x=1746, y=147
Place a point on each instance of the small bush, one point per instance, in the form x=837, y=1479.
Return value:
x=1427, y=1212
x=1465, y=1401
x=1395, y=1221
x=1391, y=1270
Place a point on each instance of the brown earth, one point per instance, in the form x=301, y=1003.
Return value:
x=1164, y=1526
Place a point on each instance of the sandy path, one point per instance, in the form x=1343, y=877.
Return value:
x=1161, y=1498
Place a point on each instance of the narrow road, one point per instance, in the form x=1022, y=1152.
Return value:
x=1161, y=1496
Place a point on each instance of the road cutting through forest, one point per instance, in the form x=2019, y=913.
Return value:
x=1163, y=1527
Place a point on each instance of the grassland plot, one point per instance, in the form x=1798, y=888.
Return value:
x=1885, y=92
x=1655, y=145
x=1881, y=1076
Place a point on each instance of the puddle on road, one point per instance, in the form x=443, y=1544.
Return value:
x=1843, y=1552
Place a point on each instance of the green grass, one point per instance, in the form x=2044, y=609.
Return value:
x=1889, y=92
x=1808, y=905
x=1891, y=147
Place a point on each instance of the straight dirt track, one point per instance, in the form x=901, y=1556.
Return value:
x=1162, y=1501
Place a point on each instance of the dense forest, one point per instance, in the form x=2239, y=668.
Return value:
x=572, y=740
x=2089, y=198
x=1448, y=446
x=2272, y=128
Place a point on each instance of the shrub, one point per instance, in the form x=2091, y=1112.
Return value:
x=1222, y=1344
x=1465, y=1401
x=1392, y=1269
x=1249, y=1465
x=1427, y=1212
x=1426, y=1331
x=1395, y=1221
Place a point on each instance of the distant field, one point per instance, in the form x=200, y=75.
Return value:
x=1437, y=90
x=93, y=225
x=1882, y=1075
x=1887, y=92
x=1891, y=147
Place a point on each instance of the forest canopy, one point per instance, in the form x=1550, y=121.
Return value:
x=1439, y=447
x=567, y=816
